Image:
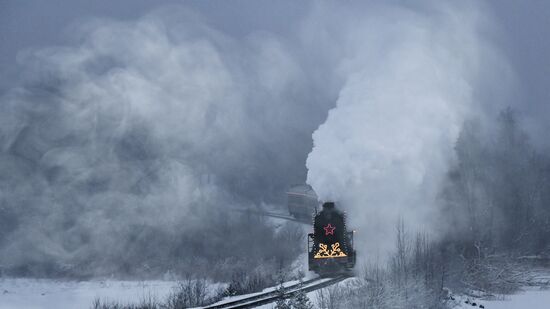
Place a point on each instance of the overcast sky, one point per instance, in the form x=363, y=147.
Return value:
x=524, y=28
x=36, y=23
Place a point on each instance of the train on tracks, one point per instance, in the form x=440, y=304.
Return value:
x=330, y=247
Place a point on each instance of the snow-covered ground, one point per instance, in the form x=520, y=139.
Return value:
x=42, y=294
x=534, y=295
x=47, y=294
x=529, y=297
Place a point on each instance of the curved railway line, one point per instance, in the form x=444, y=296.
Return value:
x=273, y=296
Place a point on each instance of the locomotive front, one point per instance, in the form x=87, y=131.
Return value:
x=330, y=246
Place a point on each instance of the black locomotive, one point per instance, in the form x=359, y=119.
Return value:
x=330, y=246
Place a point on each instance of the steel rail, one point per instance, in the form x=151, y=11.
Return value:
x=262, y=295
x=273, y=296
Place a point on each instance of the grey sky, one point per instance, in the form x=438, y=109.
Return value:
x=526, y=40
x=524, y=25
x=36, y=23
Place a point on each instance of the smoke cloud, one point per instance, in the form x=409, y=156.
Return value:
x=156, y=123
x=411, y=79
x=145, y=124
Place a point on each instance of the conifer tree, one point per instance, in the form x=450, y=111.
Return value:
x=300, y=300
x=282, y=303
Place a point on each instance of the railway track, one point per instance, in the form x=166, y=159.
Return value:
x=273, y=296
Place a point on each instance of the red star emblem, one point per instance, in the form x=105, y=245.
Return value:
x=329, y=229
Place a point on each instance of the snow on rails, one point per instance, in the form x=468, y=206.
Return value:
x=262, y=298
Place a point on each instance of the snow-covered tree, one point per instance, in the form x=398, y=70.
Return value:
x=301, y=301
x=282, y=303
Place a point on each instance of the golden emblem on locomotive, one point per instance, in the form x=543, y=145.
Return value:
x=324, y=252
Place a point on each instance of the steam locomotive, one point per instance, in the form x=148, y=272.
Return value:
x=330, y=246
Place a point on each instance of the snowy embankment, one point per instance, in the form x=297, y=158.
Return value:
x=534, y=294
x=529, y=297
x=44, y=293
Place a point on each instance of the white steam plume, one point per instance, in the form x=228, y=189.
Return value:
x=411, y=80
